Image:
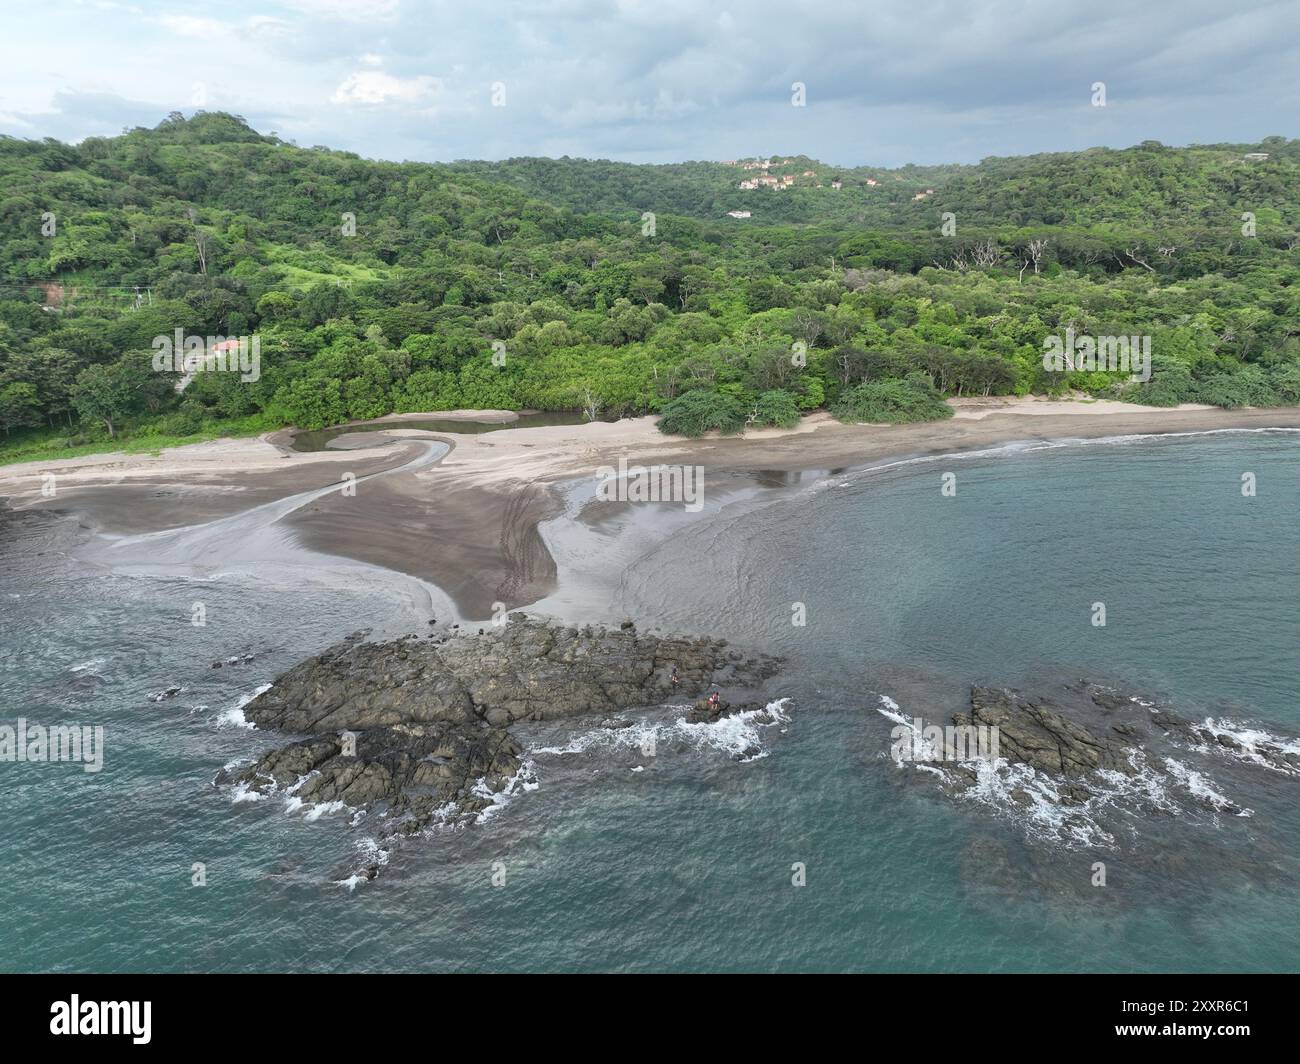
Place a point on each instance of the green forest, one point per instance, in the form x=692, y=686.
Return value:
x=620, y=289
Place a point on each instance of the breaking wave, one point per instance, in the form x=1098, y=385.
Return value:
x=234, y=716
x=1251, y=744
x=740, y=734
x=1034, y=800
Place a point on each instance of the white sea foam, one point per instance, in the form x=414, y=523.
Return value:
x=312, y=810
x=892, y=711
x=523, y=781
x=321, y=809
x=1255, y=744
x=1017, y=791
x=234, y=716
x=739, y=734
x=370, y=851
x=925, y=751
x=1022, y=794
x=1203, y=788
x=1033, y=799
x=242, y=792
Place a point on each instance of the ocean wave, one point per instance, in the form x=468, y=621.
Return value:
x=1020, y=793
x=523, y=781
x=1252, y=744
x=1203, y=788
x=234, y=716
x=739, y=734
x=312, y=811
x=927, y=750
x=373, y=856
x=1028, y=446
x=1024, y=795
x=243, y=792
x=92, y=667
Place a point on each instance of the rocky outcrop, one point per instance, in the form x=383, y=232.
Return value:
x=704, y=712
x=413, y=770
x=1038, y=733
x=1065, y=752
x=420, y=728
x=1146, y=798
x=523, y=670
x=1031, y=732
x=1091, y=760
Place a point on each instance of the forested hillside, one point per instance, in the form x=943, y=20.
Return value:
x=566, y=284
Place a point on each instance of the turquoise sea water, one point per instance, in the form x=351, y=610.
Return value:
x=687, y=863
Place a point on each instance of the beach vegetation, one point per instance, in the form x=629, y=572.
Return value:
x=701, y=411
x=377, y=287
x=892, y=401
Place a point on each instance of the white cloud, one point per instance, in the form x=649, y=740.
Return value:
x=267, y=24
x=347, y=10
x=905, y=81
x=190, y=26
x=374, y=86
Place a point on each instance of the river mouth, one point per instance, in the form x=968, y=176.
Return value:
x=307, y=441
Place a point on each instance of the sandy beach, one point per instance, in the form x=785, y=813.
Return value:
x=469, y=523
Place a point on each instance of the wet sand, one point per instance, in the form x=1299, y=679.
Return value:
x=468, y=523
x=122, y=494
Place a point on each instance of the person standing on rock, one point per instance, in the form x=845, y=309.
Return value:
x=675, y=678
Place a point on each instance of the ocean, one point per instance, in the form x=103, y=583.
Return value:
x=688, y=859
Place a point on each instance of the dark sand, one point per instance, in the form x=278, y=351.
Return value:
x=469, y=523
x=149, y=503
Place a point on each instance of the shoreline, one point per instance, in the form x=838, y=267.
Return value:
x=468, y=523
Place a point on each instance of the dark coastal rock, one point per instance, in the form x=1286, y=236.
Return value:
x=522, y=670
x=419, y=729
x=1067, y=752
x=236, y=659
x=1035, y=734
x=1080, y=751
x=414, y=768
x=1100, y=796
x=704, y=713
x=167, y=695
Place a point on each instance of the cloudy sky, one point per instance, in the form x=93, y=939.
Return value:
x=886, y=82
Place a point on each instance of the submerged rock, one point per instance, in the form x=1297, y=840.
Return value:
x=236, y=659
x=166, y=695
